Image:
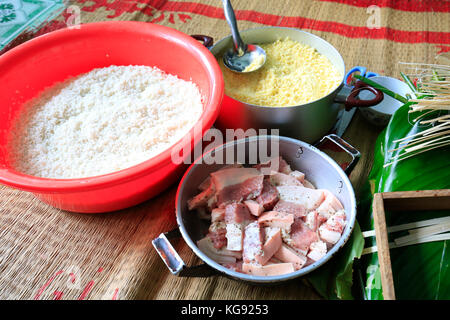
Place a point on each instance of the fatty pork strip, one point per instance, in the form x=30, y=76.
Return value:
x=266, y=220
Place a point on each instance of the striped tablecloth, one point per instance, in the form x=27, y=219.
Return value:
x=49, y=254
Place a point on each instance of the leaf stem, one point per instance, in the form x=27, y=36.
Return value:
x=409, y=82
x=382, y=88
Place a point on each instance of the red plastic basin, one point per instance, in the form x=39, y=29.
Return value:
x=53, y=57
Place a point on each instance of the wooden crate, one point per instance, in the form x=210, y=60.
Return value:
x=395, y=202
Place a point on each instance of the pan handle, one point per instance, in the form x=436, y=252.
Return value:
x=206, y=40
x=349, y=96
x=344, y=145
x=174, y=262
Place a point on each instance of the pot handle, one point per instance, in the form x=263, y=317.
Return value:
x=349, y=96
x=174, y=262
x=206, y=40
x=344, y=145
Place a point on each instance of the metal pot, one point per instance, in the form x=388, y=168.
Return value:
x=319, y=168
x=307, y=122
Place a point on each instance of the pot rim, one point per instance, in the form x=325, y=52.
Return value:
x=268, y=279
x=335, y=90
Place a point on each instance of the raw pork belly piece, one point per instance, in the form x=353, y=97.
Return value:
x=217, y=233
x=302, y=236
x=260, y=244
x=236, y=184
x=331, y=230
x=232, y=176
x=312, y=220
x=276, y=164
x=274, y=269
x=296, y=209
x=201, y=200
x=218, y=229
x=254, y=207
x=272, y=243
x=207, y=182
x=234, y=235
x=217, y=215
x=282, y=179
x=269, y=195
x=253, y=244
x=237, y=217
x=317, y=251
x=237, y=213
x=276, y=219
x=300, y=176
x=309, y=198
x=330, y=205
x=288, y=254
x=218, y=255
x=327, y=235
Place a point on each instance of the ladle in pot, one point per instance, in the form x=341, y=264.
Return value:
x=242, y=58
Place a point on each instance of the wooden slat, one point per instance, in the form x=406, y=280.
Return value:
x=417, y=200
x=384, y=257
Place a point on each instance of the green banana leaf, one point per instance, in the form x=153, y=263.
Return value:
x=420, y=271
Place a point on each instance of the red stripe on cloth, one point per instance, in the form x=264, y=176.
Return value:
x=86, y=290
x=58, y=295
x=443, y=49
x=307, y=23
x=116, y=291
x=403, y=5
x=41, y=290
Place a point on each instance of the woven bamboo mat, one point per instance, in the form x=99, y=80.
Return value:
x=46, y=253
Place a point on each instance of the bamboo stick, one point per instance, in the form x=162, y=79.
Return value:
x=417, y=234
x=393, y=245
x=411, y=155
x=410, y=226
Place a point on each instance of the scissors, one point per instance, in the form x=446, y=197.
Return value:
x=347, y=116
x=362, y=72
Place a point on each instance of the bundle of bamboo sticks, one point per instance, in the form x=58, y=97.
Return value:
x=430, y=107
x=431, y=230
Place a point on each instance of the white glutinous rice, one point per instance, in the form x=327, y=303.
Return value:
x=103, y=121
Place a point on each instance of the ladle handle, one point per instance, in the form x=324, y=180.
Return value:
x=239, y=46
